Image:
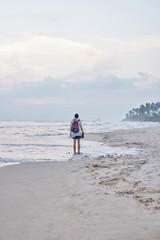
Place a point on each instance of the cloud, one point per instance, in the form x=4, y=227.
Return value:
x=54, y=99
x=50, y=90
x=31, y=58
x=131, y=56
x=139, y=44
x=38, y=101
x=146, y=80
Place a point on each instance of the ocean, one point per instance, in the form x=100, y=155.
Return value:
x=24, y=141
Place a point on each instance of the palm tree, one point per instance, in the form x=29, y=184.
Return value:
x=147, y=112
x=148, y=109
x=142, y=111
x=152, y=108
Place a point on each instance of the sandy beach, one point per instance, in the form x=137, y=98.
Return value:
x=105, y=198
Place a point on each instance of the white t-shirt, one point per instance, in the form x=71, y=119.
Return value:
x=79, y=124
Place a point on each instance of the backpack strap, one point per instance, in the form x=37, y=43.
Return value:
x=75, y=120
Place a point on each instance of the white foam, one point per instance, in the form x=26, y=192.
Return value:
x=5, y=164
x=45, y=141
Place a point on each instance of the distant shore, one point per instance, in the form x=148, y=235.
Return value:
x=108, y=198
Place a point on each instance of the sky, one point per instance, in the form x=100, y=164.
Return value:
x=98, y=58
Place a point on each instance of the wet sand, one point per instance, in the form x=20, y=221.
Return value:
x=107, y=198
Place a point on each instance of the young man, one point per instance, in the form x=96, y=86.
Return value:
x=76, y=132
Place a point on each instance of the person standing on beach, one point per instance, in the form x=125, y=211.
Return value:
x=76, y=132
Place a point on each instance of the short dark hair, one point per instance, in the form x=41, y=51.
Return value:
x=76, y=115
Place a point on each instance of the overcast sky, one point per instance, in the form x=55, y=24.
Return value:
x=99, y=58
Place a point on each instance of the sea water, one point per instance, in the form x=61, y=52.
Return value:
x=50, y=141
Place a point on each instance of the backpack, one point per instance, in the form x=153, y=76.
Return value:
x=75, y=128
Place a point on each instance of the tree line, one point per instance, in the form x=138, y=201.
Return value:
x=147, y=112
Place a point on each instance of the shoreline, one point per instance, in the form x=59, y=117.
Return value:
x=105, y=198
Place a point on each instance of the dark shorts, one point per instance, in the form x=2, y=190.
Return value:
x=77, y=137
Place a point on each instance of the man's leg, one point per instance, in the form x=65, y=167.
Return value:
x=74, y=146
x=79, y=146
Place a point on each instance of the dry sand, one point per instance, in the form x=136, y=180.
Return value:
x=132, y=175
x=108, y=198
